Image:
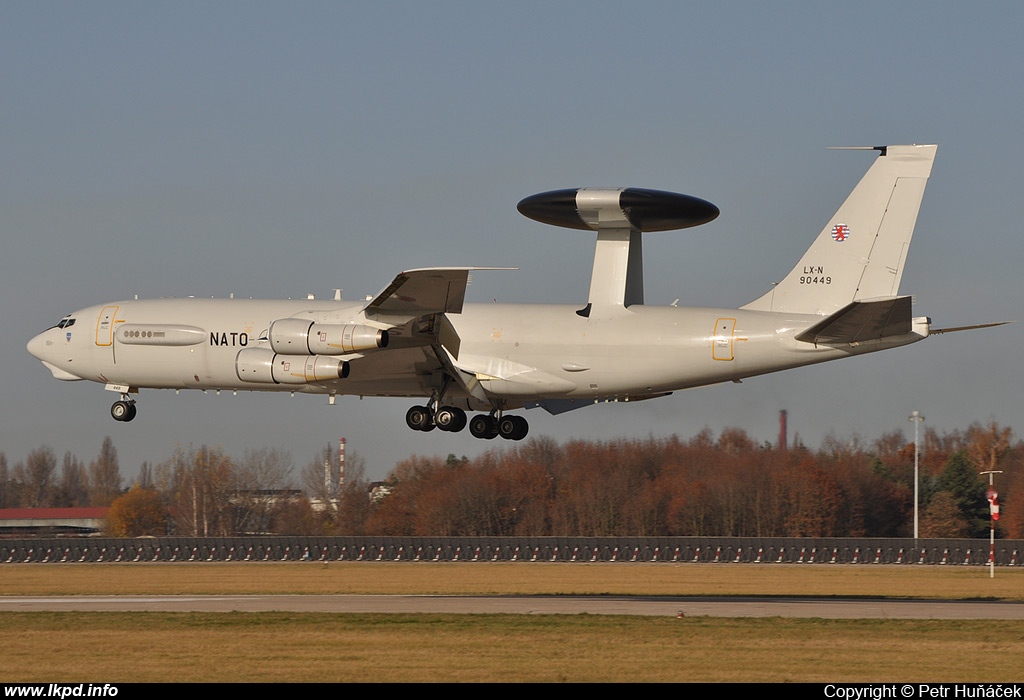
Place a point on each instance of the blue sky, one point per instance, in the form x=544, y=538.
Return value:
x=272, y=150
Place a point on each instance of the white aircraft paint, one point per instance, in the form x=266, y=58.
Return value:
x=418, y=338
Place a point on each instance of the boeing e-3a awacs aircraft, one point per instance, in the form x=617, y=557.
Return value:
x=417, y=338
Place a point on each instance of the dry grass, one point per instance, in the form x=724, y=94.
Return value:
x=281, y=647
x=122, y=647
x=864, y=580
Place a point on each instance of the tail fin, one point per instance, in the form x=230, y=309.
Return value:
x=861, y=251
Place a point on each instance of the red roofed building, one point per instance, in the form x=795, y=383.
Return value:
x=52, y=521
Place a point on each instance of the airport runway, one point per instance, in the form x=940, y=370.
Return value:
x=535, y=605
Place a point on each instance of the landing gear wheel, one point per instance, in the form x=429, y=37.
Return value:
x=523, y=428
x=451, y=419
x=419, y=418
x=483, y=427
x=513, y=427
x=461, y=420
x=123, y=411
x=444, y=419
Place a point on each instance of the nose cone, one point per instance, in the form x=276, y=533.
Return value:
x=37, y=346
x=46, y=348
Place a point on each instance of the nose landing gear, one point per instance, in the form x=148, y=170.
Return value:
x=123, y=410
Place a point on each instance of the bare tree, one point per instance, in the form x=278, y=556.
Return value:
x=317, y=479
x=73, y=490
x=198, y=484
x=986, y=446
x=145, y=478
x=105, y=475
x=354, y=499
x=36, y=478
x=6, y=486
x=260, y=481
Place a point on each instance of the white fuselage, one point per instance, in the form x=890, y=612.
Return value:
x=518, y=352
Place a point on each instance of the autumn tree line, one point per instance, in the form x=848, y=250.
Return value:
x=729, y=485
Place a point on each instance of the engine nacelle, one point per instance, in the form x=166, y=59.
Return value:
x=260, y=365
x=298, y=336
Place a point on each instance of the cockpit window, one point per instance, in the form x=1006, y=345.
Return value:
x=66, y=322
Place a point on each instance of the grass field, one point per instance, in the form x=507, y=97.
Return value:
x=122, y=647
x=842, y=580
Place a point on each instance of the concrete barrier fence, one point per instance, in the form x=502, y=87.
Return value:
x=724, y=550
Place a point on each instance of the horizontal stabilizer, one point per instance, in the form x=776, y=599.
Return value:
x=860, y=321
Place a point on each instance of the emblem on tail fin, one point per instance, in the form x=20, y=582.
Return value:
x=882, y=209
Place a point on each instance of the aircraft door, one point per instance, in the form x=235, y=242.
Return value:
x=105, y=326
x=721, y=341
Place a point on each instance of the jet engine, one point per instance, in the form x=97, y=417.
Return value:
x=267, y=367
x=299, y=336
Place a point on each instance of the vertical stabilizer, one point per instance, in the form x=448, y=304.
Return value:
x=861, y=252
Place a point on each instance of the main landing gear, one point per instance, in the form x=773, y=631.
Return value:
x=423, y=418
x=123, y=410
x=452, y=419
x=489, y=427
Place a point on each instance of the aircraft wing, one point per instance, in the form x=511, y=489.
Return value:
x=429, y=290
x=416, y=301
